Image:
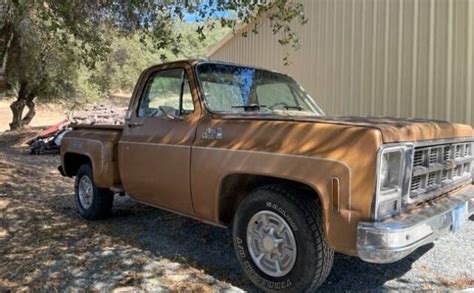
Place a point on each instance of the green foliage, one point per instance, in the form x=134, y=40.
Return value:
x=39, y=62
x=80, y=49
x=193, y=45
x=130, y=55
x=88, y=21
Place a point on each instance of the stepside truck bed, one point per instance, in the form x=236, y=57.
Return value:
x=94, y=144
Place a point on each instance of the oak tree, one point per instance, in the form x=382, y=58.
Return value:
x=42, y=42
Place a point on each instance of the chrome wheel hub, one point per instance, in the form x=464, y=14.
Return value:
x=271, y=243
x=85, y=192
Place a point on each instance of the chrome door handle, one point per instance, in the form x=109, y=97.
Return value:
x=135, y=124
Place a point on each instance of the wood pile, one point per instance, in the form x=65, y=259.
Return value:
x=49, y=140
x=99, y=114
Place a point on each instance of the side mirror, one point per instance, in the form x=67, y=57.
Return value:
x=128, y=115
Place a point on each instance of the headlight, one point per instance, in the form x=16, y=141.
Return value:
x=393, y=170
x=390, y=171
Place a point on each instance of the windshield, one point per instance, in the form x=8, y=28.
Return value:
x=236, y=89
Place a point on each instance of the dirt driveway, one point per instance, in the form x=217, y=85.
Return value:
x=44, y=244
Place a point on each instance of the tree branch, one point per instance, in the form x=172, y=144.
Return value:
x=6, y=51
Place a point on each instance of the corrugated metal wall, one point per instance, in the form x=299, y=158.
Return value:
x=404, y=58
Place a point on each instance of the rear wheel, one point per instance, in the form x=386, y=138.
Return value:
x=279, y=240
x=93, y=203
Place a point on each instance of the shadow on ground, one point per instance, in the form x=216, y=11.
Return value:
x=209, y=248
x=45, y=245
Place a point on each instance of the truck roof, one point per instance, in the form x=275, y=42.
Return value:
x=194, y=61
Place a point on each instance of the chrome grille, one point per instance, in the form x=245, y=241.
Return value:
x=432, y=179
x=434, y=152
x=458, y=149
x=447, y=152
x=416, y=183
x=444, y=175
x=418, y=160
x=440, y=166
x=468, y=150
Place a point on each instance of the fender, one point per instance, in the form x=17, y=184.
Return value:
x=317, y=173
x=100, y=148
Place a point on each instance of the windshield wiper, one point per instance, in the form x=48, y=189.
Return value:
x=299, y=108
x=250, y=107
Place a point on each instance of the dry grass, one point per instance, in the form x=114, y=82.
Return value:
x=46, y=115
x=49, y=114
x=46, y=246
x=464, y=282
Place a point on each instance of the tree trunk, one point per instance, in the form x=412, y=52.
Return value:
x=18, y=106
x=31, y=110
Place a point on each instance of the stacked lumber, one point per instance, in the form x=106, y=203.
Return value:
x=49, y=141
x=99, y=114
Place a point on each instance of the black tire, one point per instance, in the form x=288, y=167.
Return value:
x=303, y=213
x=102, y=199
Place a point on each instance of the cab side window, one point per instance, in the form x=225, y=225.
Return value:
x=166, y=93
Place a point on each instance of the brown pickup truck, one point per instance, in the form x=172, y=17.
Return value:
x=244, y=147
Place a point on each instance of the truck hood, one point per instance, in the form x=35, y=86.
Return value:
x=403, y=130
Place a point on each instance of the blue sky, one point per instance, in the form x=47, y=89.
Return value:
x=193, y=17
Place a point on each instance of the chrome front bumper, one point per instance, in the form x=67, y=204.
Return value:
x=395, y=238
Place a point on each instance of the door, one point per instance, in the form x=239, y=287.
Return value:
x=155, y=149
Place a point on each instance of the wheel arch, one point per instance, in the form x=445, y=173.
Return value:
x=235, y=187
x=73, y=161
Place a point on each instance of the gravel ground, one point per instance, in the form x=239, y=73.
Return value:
x=45, y=245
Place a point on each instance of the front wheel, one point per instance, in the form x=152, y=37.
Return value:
x=94, y=203
x=279, y=240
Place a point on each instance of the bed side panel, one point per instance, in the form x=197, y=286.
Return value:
x=100, y=146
